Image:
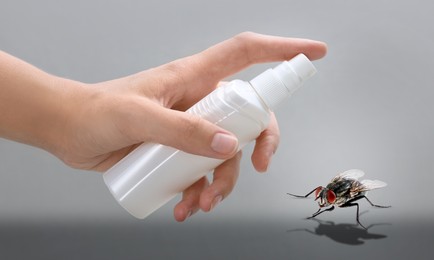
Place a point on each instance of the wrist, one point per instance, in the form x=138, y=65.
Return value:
x=63, y=100
x=52, y=113
x=37, y=110
x=35, y=107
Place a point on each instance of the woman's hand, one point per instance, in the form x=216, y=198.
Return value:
x=93, y=126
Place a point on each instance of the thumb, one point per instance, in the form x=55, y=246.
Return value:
x=192, y=134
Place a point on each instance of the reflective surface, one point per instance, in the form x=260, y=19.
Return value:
x=229, y=240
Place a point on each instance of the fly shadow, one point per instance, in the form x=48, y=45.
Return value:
x=350, y=234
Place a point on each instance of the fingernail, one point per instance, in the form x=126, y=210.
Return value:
x=216, y=201
x=224, y=143
x=189, y=214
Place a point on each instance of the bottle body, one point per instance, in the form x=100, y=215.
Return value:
x=153, y=174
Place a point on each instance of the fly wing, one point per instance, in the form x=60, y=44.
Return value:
x=353, y=174
x=372, y=184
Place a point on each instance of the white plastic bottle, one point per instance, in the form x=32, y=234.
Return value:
x=153, y=174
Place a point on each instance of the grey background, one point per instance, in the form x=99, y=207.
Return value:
x=369, y=107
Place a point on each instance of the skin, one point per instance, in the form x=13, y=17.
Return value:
x=92, y=126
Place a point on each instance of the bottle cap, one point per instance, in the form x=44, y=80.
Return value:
x=275, y=85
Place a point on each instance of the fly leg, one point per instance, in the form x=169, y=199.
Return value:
x=313, y=215
x=374, y=205
x=301, y=196
x=351, y=204
x=319, y=212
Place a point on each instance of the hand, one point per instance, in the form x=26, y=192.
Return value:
x=95, y=125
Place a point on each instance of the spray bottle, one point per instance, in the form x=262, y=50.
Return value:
x=153, y=174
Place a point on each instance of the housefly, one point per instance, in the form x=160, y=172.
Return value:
x=343, y=191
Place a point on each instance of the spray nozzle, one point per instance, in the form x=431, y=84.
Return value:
x=274, y=85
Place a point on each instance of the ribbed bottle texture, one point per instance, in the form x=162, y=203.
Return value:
x=209, y=108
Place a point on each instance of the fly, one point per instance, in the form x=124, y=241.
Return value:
x=343, y=191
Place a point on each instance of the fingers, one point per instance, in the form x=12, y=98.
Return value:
x=225, y=178
x=266, y=146
x=235, y=54
x=190, y=200
x=141, y=120
x=193, y=134
x=200, y=73
x=207, y=197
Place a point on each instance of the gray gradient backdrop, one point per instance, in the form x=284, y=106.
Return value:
x=370, y=107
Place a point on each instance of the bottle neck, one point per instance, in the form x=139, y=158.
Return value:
x=276, y=85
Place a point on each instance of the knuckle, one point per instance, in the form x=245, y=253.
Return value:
x=174, y=67
x=247, y=35
x=174, y=72
x=245, y=43
x=274, y=130
x=274, y=138
x=180, y=77
x=230, y=186
x=270, y=142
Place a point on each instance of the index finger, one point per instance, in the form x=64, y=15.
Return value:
x=201, y=72
x=245, y=49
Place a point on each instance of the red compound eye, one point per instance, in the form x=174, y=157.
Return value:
x=331, y=197
x=318, y=190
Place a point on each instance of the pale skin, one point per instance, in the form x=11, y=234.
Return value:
x=92, y=126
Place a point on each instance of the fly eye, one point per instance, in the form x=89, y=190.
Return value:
x=318, y=190
x=331, y=197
